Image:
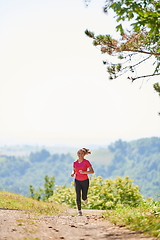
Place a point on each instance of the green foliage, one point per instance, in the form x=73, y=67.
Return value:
x=142, y=37
x=64, y=195
x=145, y=217
x=140, y=160
x=103, y=194
x=107, y=194
x=89, y=33
x=39, y=156
x=137, y=159
x=43, y=194
x=156, y=86
x=17, y=174
x=144, y=13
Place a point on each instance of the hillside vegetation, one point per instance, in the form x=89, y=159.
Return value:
x=144, y=217
x=15, y=201
x=139, y=159
x=122, y=201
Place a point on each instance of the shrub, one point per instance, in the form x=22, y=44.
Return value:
x=103, y=194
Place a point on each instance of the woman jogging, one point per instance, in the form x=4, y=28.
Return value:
x=81, y=169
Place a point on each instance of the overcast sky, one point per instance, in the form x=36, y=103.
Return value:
x=54, y=88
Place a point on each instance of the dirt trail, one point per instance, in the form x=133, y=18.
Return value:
x=18, y=225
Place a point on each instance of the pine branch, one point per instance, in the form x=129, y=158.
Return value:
x=150, y=75
x=140, y=51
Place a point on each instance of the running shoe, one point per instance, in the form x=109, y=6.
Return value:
x=79, y=213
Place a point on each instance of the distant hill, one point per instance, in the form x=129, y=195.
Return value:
x=25, y=150
x=21, y=166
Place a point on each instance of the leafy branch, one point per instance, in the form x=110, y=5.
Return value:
x=135, y=43
x=143, y=37
x=149, y=75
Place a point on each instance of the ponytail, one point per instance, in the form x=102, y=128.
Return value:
x=86, y=151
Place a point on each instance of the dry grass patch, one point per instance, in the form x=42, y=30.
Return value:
x=19, y=202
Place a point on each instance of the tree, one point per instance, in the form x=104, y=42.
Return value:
x=39, y=156
x=43, y=194
x=157, y=88
x=140, y=44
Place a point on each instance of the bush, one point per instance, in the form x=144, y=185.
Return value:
x=64, y=195
x=103, y=194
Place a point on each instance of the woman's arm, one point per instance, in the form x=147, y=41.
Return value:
x=90, y=171
x=73, y=172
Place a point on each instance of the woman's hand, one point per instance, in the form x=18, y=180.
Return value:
x=73, y=172
x=87, y=172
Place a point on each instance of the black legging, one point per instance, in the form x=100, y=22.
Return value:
x=81, y=186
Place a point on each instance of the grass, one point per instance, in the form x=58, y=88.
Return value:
x=144, y=218
x=15, y=201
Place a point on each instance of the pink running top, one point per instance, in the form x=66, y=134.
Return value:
x=84, y=165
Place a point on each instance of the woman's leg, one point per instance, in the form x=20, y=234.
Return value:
x=85, y=186
x=78, y=193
